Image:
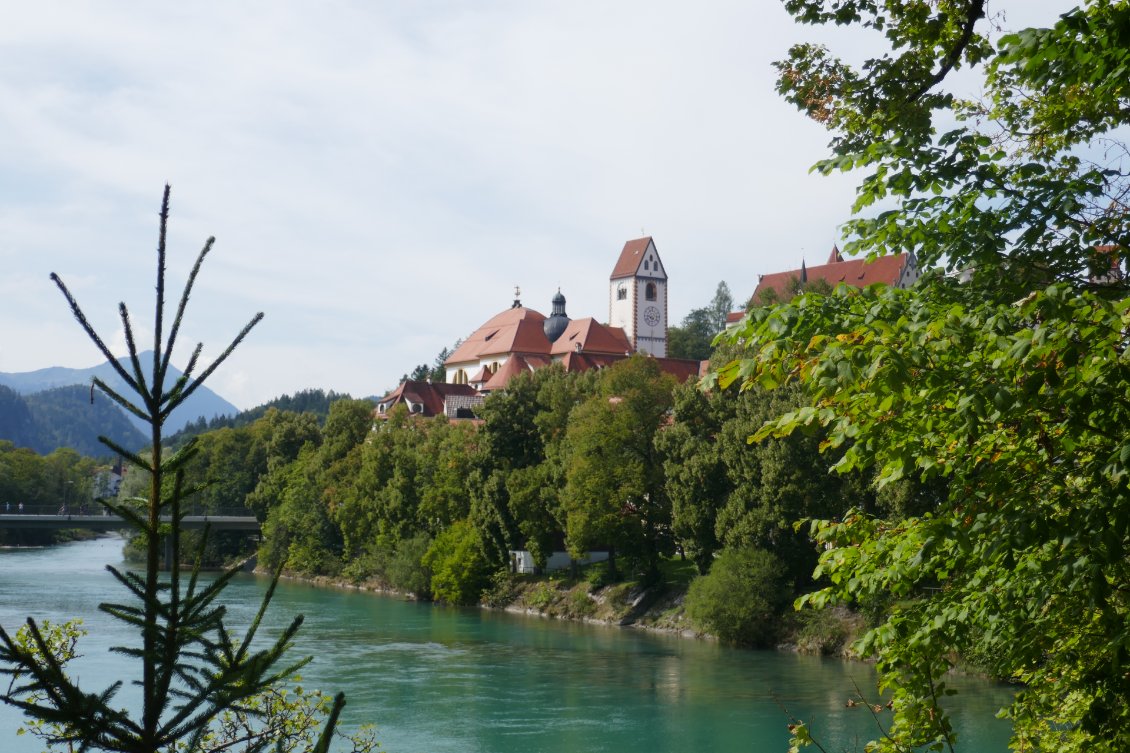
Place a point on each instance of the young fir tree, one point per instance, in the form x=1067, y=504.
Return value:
x=194, y=672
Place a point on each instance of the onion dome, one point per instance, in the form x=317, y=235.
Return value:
x=556, y=323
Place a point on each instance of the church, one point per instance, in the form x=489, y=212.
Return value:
x=520, y=339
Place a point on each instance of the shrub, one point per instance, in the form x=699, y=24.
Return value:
x=822, y=631
x=542, y=596
x=502, y=591
x=740, y=598
x=580, y=603
x=598, y=575
x=406, y=571
x=460, y=571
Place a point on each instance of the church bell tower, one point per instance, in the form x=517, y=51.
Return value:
x=637, y=297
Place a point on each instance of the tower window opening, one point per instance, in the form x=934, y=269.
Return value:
x=649, y=291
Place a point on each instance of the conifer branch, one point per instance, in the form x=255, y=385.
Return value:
x=79, y=316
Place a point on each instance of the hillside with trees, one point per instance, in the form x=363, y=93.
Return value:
x=313, y=401
x=203, y=402
x=64, y=417
x=621, y=460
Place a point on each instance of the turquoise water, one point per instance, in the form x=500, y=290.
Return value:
x=438, y=679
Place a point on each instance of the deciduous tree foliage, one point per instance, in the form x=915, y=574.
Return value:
x=1012, y=386
x=614, y=493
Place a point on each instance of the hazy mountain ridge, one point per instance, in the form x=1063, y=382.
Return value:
x=52, y=407
x=203, y=403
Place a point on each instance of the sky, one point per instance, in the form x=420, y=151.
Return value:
x=379, y=176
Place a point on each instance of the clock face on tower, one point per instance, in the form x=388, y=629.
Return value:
x=651, y=316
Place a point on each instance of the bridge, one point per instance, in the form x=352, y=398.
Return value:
x=89, y=522
x=39, y=518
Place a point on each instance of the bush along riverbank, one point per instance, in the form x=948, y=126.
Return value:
x=663, y=607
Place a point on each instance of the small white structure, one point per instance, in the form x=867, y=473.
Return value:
x=522, y=562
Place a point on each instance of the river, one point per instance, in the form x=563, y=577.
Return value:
x=441, y=680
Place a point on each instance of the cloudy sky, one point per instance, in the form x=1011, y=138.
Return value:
x=380, y=175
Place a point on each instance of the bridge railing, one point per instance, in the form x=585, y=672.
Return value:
x=93, y=508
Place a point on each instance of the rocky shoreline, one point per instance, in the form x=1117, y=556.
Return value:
x=626, y=605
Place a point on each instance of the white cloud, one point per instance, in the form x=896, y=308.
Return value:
x=379, y=175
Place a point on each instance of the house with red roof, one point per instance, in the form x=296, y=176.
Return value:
x=428, y=399
x=898, y=270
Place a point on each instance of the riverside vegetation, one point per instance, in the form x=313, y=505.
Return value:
x=624, y=459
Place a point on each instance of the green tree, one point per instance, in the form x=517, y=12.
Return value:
x=694, y=473
x=721, y=305
x=1010, y=386
x=694, y=336
x=299, y=532
x=741, y=598
x=459, y=570
x=192, y=669
x=347, y=426
x=614, y=494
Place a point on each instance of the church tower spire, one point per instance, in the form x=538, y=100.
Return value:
x=637, y=297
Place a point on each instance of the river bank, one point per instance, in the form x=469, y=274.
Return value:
x=658, y=608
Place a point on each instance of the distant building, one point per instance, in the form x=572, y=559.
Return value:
x=107, y=483
x=637, y=300
x=898, y=270
x=520, y=339
x=429, y=399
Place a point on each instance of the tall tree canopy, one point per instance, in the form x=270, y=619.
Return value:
x=1012, y=385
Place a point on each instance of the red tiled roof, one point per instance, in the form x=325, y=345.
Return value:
x=856, y=272
x=482, y=376
x=515, y=330
x=631, y=258
x=514, y=366
x=593, y=337
x=429, y=394
x=680, y=368
x=734, y=317
x=574, y=361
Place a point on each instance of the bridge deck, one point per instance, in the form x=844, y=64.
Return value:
x=113, y=522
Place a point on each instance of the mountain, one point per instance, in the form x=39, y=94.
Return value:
x=67, y=417
x=203, y=403
x=16, y=423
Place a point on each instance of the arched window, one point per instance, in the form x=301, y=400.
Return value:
x=621, y=292
x=649, y=291
x=460, y=377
